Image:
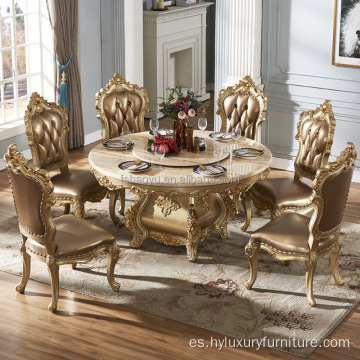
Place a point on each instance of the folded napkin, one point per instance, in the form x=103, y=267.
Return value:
x=223, y=136
x=135, y=167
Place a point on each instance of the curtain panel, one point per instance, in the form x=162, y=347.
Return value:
x=63, y=15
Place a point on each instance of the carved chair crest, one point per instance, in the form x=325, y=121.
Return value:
x=315, y=132
x=121, y=105
x=242, y=107
x=46, y=125
x=34, y=178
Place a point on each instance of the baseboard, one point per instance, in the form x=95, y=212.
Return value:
x=26, y=153
x=288, y=165
x=92, y=137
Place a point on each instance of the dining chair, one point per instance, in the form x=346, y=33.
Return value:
x=64, y=240
x=121, y=106
x=242, y=108
x=293, y=236
x=46, y=125
x=315, y=133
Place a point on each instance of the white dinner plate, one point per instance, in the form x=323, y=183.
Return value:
x=210, y=170
x=131, y=167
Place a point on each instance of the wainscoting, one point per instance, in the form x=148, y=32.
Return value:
x=298, y=75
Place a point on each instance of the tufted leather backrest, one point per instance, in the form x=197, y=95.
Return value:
x=122, y=112
x=46, y=126
x=121, y=106
x=242, y=108
x=242, y=114
x=315, y=134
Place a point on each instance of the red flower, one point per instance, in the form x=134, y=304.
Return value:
x=181, y=105
x=186, y=99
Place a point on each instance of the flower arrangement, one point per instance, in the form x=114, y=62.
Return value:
x=181, y=107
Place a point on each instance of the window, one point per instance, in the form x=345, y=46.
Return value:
x=26, y=60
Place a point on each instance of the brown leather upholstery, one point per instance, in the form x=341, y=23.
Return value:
x=27, y=196
x=314, y=136
x=289, y=234
x=280, y=190
x=334, y=193
x=122, y=111
x=73, y=237
x=75, y=183
x=46, y=129
x=242, y=113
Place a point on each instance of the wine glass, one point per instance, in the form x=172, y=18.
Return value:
x=218, y=150
x=154, y=125
x=236, y=135
x=125, y=134
x=202, y=124
x=159, y=153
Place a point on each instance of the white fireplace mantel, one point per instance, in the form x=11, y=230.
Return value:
x=174, y=52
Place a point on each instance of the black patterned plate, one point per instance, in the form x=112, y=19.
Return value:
x=118, y=144
x=132, y=167
x=210, y=170
x=248, y=153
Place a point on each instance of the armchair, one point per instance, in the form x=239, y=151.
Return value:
x=46, y=125
x=64, y=240
x=315, y=132
x=121, y=106
x=293, y=236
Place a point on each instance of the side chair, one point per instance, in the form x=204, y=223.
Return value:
x=46, y=125
x=121, y=106
x=64, y=240
x=242, y=108
x=293, y=236
x=315, y=133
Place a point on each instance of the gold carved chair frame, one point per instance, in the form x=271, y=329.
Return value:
x=119, y=85
x=38, y=105
x=16, y=162
x=316, y=204
x=325, y=114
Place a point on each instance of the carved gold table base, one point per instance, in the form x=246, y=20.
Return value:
x=178, y=219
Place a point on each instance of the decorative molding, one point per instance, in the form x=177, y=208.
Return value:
x=175, y=14
x=288, y=165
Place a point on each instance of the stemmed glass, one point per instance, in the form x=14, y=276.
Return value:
x=236, y=134
x=218, y=150
x=154, y=125
x=159, y=153
x=125, y=133
x=202, y=124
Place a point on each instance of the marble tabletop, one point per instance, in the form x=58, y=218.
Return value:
x=104, y=162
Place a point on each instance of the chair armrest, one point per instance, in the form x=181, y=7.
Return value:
x=303, y=206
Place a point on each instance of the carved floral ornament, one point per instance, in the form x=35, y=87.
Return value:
x=167, y=205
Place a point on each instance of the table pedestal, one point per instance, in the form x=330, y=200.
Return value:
x=179, y=219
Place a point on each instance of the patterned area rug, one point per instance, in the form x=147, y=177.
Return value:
x=210, y=293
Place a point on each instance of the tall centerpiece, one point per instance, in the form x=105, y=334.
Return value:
x=181, y=108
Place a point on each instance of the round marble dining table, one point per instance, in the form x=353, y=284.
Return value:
x=175, y=205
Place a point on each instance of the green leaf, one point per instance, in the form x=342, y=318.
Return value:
x=150, y=141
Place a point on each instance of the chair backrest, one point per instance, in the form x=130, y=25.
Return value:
x=242, y=107
x=121, y=105
x=315, y=132
x=331, y=188
x=46, y=125
x=32, y=192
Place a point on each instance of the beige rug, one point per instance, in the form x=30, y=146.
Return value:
x=210, y=293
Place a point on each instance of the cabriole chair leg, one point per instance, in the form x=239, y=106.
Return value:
x=113, y=257
x=54, y=278
x=246, y=202
x=26, y=268
x=310, y=271
x=112, y=203
x=335, y=265
x=251, y=252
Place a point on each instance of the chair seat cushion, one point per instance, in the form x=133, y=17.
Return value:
x=75, y=183
x=290, y=234
x=280, y=190
x=74, y=237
